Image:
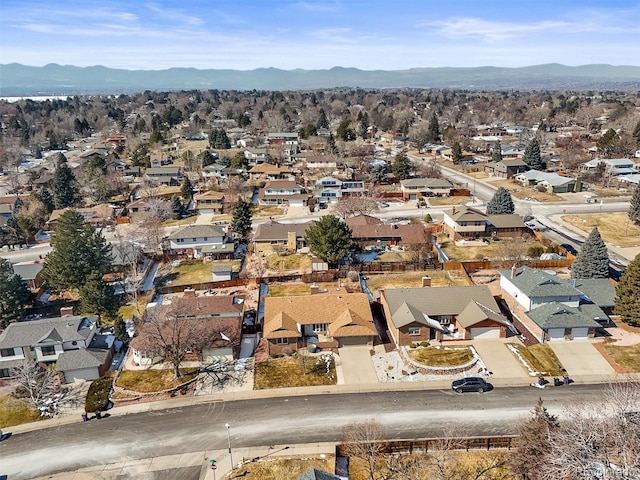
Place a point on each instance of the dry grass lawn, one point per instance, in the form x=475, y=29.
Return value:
x=518, y=191
x=439, y=201
x=289, y=289
x=289, y=372
x=392, y=257
x=439, y=278
x=289, y=262
x=274, y=468
x=268, y=211
x=541, y=359
x=627, y=357
x=16, y=412
x=440, y=357
x=129, y=310
x=477, y=252
x=152, y=380
x=614, y=228
x=182, y=222
x=190, y=272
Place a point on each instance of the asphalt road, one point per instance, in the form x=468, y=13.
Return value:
x=282, y=420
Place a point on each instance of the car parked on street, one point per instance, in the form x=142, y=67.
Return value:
x=470, y=384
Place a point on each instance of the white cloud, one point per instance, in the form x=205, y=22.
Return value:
x=492, y=31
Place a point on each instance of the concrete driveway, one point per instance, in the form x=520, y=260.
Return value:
x=357, y=366
x=580, y=357
x=499, y=360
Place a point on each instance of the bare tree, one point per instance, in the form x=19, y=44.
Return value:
x=430, y=168
x=36, y=383
x=157, y=210
x=354, y=205
x=511, y=252
x=364, y=441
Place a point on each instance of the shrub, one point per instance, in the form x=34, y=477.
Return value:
x=535, y=251
x=353, y=276
x=424, y=344
x=98, y=394
x=413, y=345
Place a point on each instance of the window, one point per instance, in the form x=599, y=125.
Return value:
x=206, y=239
x=282, y=341
x=414, y=330
x=48, y=350
x=5, y=372
x=6, y=352
x=319, y=327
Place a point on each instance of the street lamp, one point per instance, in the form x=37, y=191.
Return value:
x=227, y=426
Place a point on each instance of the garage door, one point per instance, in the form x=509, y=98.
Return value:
x=488, y=332
x=580, y=333
x=556, y=334
x=344, y=341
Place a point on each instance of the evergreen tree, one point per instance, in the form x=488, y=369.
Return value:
x=331, y=144
x=78, y=250
x=44, y=195
x=65, y=189
x=592, y=260
x=627, y=302
x=532, y=155
x=218, y=139
x=329, y=239
x=434, y=128
x=636, y=134
x=207, y=158
x=605, y=142
x=500, y=203
x=456, y=153
x=177, y=208
x=323, y=122
x=97, y=297
x=345, y=132
x=12, y=234
x=363, y=129
x=120, y=330
x=15, y=294
x=239, y=161
x=496, y=153
x=634, y=209
x=402, y=166
x=241, y=221
x=378, y=173
x=187, y=190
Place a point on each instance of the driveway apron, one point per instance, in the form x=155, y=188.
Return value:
x=499, y=359
x=579, y=357
x=357, y=366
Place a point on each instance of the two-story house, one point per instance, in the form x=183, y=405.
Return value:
x=72, y=342
x=274, y=237
x=506, y=168
x=414, y=188
x=330, y=189
x=198, y=241
x=165, y=175
x=278, y=138
x=465, y=222
x=283, y=192
x=269, y=171
x=210, y=202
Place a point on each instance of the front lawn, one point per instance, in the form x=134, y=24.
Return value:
x=16, y=412
x=615, y=228
x=274, y=468
x=444, y=201
x=289, y=372
x=627, y=357
x=440, y=357
x=538, y=359
x=152, y=380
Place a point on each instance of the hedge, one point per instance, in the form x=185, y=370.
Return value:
x=98, y=394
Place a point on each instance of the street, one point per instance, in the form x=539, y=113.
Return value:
x=279, y=421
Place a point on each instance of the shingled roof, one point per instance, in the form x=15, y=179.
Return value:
x=538, y=283
x=559, y=315
x=47, y=331
x=198, y=231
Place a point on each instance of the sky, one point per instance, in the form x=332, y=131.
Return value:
x=310, y=34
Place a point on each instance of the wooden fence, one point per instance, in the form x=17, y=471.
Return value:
x=241, y=282
x=433, y=444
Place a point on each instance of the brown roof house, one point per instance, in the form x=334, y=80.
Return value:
x=210, y=202
x=332, y=319
x=465, y=222
x=367, y=230
x=283, y=192
x=275, y=237
x=202, y=328
x=442, y=313
x=506, y=168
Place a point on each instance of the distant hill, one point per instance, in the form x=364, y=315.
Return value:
x=53, y=79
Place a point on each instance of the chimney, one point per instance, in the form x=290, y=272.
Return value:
x=426, y=281
x=513, y=271
x=315, y=289
x=64, y=311
x=189, y=292
x=453, y=212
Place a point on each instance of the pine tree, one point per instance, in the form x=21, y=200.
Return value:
x=329, y=239
x=241, y=221
x=402, y=166
x=44, y=195
x=496, y=153
x=532, y=155
x=456, y=153
x=186, y=190
x=593, y=260
x=627, y=302
x=120, y=330
x=15, y=295
x=65, y=189
x=634, y=209
x=78, y=250
x=322, y=120
x=500, y=203
x=177, y=208
x=97, y=297
x=434, y=128
x=636, y=134
x=363, y=129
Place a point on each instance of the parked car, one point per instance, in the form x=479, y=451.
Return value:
x=469, y=384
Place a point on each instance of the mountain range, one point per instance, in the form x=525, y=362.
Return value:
x=53, y=79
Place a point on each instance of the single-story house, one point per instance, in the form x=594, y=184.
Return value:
x=442, y=313
x=610, y=166
x=166, y=175
x=269, y=171
x=332, y=319
x=551, y=182
x=30, y=273
x=413, y=188
x=272, y=237
x=97, y=216
x=467, y=222
x=367, y=230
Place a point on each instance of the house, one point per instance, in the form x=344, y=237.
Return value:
x=214, y=324
x=257, y=155
x=283, y=192
x=551, y=182
x=465, y=222
x=272, y=237
x=215, y=172
x=269, y=171
x=277, y=138
x=367, y=230
x=98, y=216
x=199, y=240
x=442, y=313
x=210, y=202
x=506, y=168
x=332, y=319
x=610, y=166
x=72, y=342
x=165, y=175
x=315, y=474
x=414, y=188
x=315, y=162
x=554, y=309
x=30, y=273
x=330, y=189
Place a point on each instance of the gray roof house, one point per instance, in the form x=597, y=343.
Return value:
x=58, y=340
x=199, y=240
x=552, y=182
x=553, y=308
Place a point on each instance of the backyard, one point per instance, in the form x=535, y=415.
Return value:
x=439, y=278
x=525, y=193
x=289, y=262
x=190, y=272
x=478, y=251
x=615, y=228
x=302, y=370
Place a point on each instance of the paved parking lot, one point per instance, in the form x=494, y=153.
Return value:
x=580, y=357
